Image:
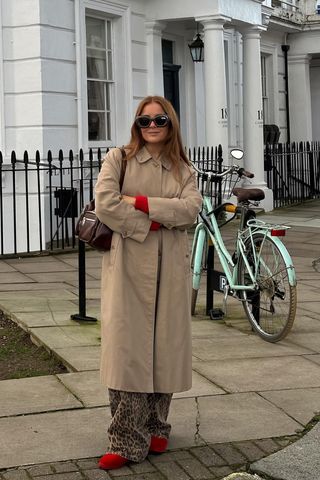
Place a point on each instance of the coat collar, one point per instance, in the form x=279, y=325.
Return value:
x=143, y=156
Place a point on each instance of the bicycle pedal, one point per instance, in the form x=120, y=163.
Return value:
x=216, y=314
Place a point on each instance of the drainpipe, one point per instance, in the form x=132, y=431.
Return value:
x=285, y=49
x=77, y=16
x=2, y=112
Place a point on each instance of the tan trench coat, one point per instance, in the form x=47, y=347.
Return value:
x=146, y=281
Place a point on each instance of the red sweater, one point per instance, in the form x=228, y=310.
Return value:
x=142, y=205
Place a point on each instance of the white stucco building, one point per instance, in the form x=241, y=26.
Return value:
x=73, y=71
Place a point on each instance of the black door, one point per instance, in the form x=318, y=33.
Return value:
x=171, y=85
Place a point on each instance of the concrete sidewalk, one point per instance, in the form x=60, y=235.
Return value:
x=249, y=398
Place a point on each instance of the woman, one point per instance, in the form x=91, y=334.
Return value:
x=146, y=337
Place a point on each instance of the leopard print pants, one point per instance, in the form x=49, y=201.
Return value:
x=135, y=418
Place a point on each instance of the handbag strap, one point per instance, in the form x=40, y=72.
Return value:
x=123, y=167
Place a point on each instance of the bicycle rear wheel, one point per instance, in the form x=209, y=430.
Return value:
x=271, y=309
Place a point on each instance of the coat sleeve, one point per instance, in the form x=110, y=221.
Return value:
x=110, y=209
x=178, y=212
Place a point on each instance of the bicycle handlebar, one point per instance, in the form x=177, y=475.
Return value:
x=234, y=168
x=244, y=173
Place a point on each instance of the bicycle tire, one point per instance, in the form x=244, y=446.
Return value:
x=197, y=265
x=271, y=310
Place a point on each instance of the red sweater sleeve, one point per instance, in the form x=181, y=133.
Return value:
x=142, y=204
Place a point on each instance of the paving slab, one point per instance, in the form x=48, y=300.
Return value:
x=184, y=417
x=310, y=308
x=5, y=267
x=300, y=404
x=39, y=295
x=305, y=340
x=298, y=461
x=74, y=262
x=313, y=358
x=241, y=416
x=45, y=258
x=34, y=395
x=307, y=275
x=44, y=319
x=20, y=287
x=309, y=295
x=39, y=305
x=93, y=293
x=201, y=386
x=94, y=272
x=246, y=346
x=50, y=437
x=15, y=277
x=90, y=284
x=291, y=220
x=86, y=387
x=261, y=374
x=70, y=278
x=40, y=267
x=305, y=324
x=65, y=336
x=210, y=328
x=80, y=358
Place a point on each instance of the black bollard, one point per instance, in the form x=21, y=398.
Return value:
x=210, y=268
x=81, y=316
x=214, y=279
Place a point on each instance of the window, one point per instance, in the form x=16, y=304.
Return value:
x=100, y=81
x=167, y=51
x=264, y=81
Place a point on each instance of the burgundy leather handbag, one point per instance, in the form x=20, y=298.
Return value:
x=89, y=228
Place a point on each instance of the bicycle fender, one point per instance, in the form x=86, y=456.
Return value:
x=197, y=254
x=286, y=256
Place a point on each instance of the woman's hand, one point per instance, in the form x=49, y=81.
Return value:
x=128, y=199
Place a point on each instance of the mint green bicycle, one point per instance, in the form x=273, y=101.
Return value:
x=260, y=272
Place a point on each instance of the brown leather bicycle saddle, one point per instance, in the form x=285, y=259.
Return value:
x=245, y=194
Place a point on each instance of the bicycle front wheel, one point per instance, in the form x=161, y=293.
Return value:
x=270, y=309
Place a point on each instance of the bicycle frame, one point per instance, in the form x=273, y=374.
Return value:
x=209, y=228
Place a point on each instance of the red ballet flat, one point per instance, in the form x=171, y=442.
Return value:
x=111, y=461
x=158, y=444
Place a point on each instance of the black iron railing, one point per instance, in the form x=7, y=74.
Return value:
x=40, y=199
x=293, y=171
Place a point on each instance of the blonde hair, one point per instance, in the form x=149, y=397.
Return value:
x=173, y=148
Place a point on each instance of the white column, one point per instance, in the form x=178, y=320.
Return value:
x=252, y=106
x=300, y=97
x=2, y=112
x=154, y=57
x=215, y=81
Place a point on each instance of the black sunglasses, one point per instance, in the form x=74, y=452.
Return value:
x=144, y=121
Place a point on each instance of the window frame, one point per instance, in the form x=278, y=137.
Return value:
x=110, y=84
x=270, y=51
x=122, y=98
x=265, y=89
x=2, y=113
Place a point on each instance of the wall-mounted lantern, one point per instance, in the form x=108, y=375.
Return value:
x=197, y=49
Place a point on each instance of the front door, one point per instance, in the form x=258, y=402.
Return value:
x=171, y=85
x=170, y=75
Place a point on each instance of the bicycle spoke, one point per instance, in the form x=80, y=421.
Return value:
x=271, y=310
